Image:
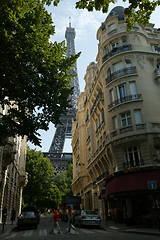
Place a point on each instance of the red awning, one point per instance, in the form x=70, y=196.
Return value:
x=133, y=182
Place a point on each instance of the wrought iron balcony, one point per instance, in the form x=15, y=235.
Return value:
x=125, y=99
x=157, y=73
x=116, y=51
x=121, y=73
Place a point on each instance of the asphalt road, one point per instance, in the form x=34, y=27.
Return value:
x=45, y=225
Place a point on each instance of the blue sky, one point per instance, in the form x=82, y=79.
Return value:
x=86, y=25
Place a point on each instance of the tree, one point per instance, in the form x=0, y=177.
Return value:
x=138, y=11
x=40, y=190
x=63, y=180
x=34, y=72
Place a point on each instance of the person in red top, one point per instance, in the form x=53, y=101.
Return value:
x=56, y=221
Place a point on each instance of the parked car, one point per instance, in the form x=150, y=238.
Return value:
x=27, y=220
x=87, y=218
x=33, y=209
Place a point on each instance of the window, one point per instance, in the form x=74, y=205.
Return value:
x=115, y=48
x=132, y=156
x=111, y=94
x=118, y=66
x=133, y=88
x=114, y=45
x=138, y=116
x=88, y=132
x=89, y=153
x=128, y=63
x=102, y=115
x=121, y=91
x=157, y=48
x=125, y=119
x=108, y=72
x=124, y=42
x=115, y=123
x=97, y=124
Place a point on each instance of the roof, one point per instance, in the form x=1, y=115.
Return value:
x=119, y=11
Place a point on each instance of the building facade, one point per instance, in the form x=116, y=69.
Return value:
x=116, y=133
x=13, y=176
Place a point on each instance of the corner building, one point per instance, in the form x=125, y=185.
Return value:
x=116, y=133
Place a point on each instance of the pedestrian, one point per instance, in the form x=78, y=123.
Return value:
x=70, y=220
x=4, y=214
x=56, y=221
x=13, y=215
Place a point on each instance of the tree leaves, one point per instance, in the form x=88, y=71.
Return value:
x=40, y=190
x=34, y=72
x=138, y=11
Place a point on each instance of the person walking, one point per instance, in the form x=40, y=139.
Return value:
x=70, y=220
x=56, y=221
x=13, y=216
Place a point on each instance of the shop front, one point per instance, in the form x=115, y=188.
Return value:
x=133, y=198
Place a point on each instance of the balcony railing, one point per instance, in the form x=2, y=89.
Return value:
x=99, y=96
x=157, y=73
x=125, y=99
x=126, y=129
x=140, y=126
x=115, y=51
x=121, y=73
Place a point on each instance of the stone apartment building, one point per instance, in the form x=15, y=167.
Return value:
x=116, y=133
x=13, y=176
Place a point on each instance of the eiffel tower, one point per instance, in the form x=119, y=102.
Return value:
x=59, y=159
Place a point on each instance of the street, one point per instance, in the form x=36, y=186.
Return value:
x=45, y=225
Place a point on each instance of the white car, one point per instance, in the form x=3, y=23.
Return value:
x=87, y=218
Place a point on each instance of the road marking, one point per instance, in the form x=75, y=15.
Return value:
x=12, y=235
x=28, y=233
x=114, y=228
x=43, y=232
x=101, y=231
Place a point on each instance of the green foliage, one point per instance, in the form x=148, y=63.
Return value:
x=34, y=72
x=40, y=190
x=44, y=189
x=138, y=11
x=64, y=180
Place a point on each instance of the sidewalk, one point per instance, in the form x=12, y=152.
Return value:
x=8, y=227
x=111, y=226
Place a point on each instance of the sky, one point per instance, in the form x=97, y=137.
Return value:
x=86, y=25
